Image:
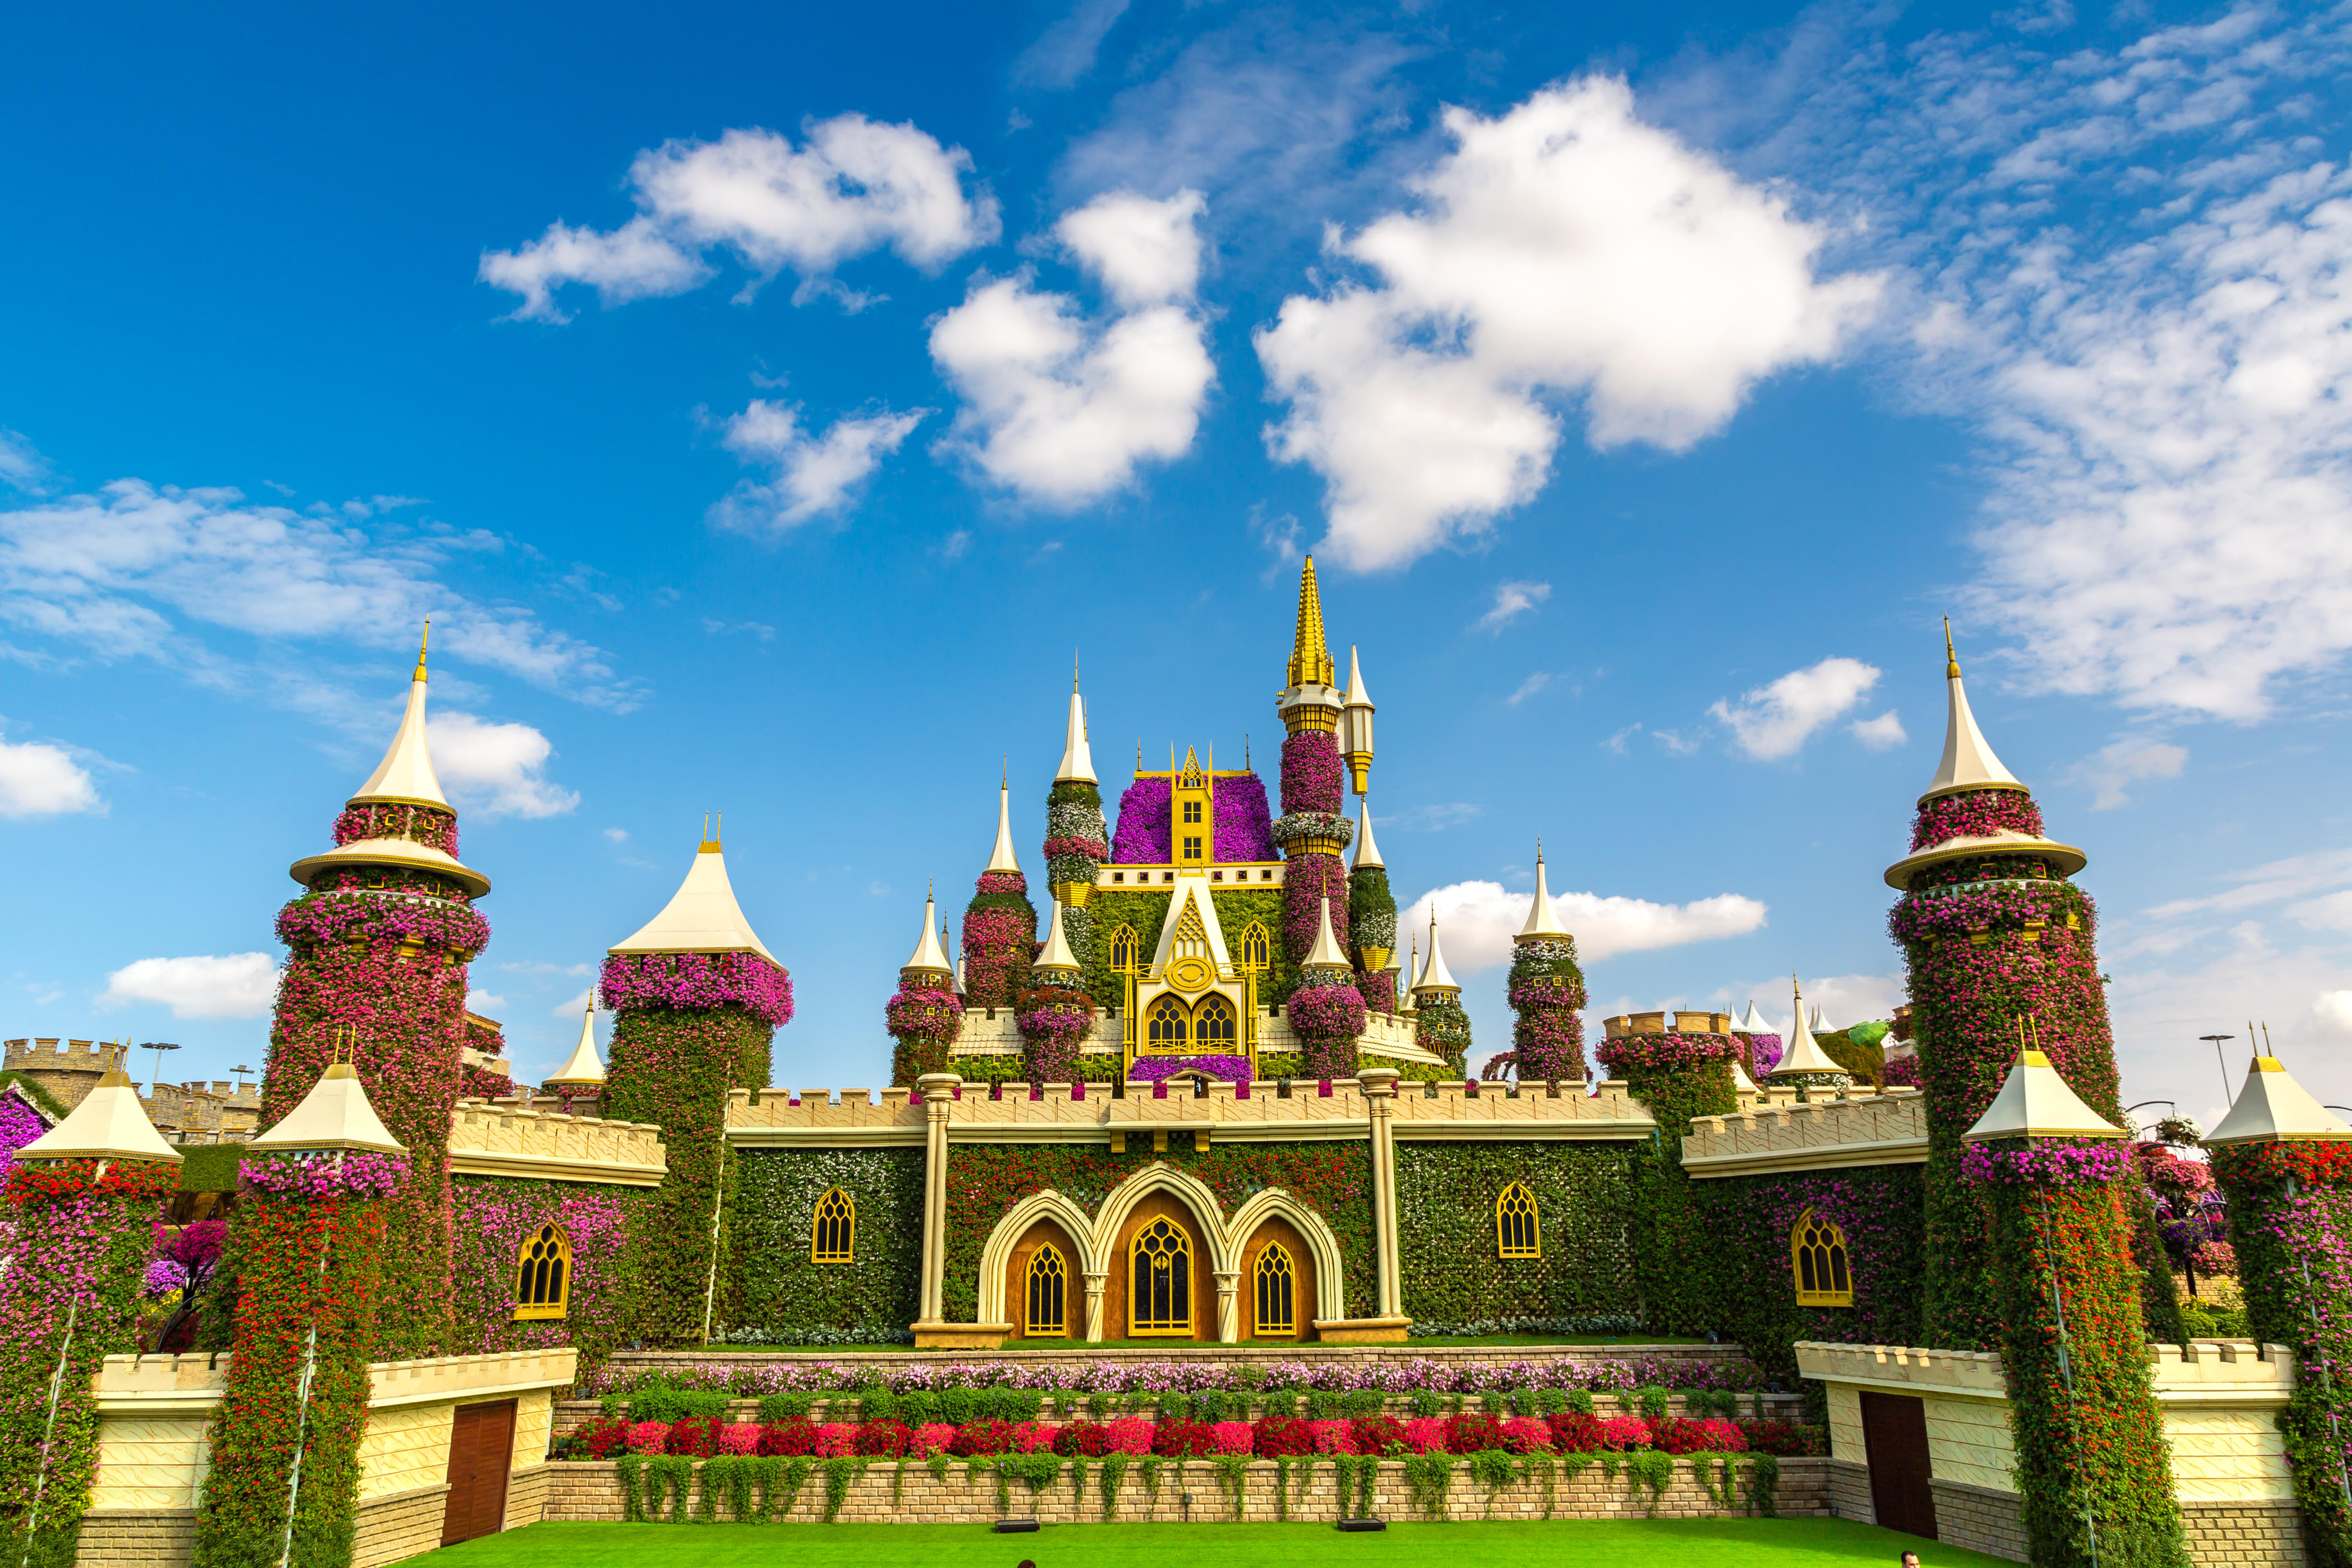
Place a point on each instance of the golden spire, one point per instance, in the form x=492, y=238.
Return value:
x=420, y=649
x=1310, y=656
x=1951, y=659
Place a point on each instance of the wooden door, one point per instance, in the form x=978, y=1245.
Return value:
x=481, y=1451
x=1895, y=1442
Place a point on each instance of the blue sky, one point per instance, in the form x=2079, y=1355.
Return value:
x=767, y=402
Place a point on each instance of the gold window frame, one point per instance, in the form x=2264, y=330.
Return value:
x=1518, y=1223
x=833, y=1229
x=543, y=1275
x=1819, y=1266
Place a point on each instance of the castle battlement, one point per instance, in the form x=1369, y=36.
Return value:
x=1685, y=1023
x=88, y=1055
x=1771, y=1135
x=493, y=1140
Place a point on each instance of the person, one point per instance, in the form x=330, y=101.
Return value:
x=1910, y=1560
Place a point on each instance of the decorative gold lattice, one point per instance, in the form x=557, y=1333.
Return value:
x=832, y=1238
x=1165, y=1023
x=1191, y=936
x=543, y=1275
x=1817, y=1257
x=1517, y=1232
x=1126, y=957
x=1215, y=1026
x=1048, y=1294
x=1159, y=1300
x=1276, y=1282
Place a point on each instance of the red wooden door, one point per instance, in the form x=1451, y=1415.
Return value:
x=1894, y=1440
x=481, y=1449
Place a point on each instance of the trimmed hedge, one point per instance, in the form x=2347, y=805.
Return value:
x=777, y=1295
x=1447, y=1234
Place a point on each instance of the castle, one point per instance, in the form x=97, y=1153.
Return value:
x=1198, y=1100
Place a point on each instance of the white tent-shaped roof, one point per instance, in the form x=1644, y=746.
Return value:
x=928, y=955
x=1056, y=955
x=1434, y=975
x=108, y=1124
x=583, y=1066
x=1367, y=852
x=405, y=776
x=2274, y=1108
x=1543, y=920
x=2035, y=1103
x=335, y=1114
x=1002, y=859
x=1804, y=1055
x=1969, y=762
x=702, y=916
x=1078, y=760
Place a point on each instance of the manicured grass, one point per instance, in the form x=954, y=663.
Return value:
x=1176, y=1347
x=1598, y=1543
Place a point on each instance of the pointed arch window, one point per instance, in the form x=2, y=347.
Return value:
x=1518, y=1233
x=1216, y=1026
x=1160, y=1293
x=1275, y=1279
x=1125, y=951
x=833, y=1238
x=1255, y=950
x=543, y=1275
x=1165, y=1023
x=1817, y=1258
x=1047, y=1289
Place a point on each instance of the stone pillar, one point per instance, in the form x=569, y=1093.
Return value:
x=1095, y=1283
x=1229, y=1315
x=1379, y=1085
x=939, y=1098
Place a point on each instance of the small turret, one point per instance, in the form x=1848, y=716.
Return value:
x=1367, y=852
x=1804, y=1053
x=1001, y=858
x=930, y=960
x=1969, y=762
x=334, y=1117
x=2274, y=1108
x=702, y=916
x=583, y=1069
x=1055, y=957
x=1356, y=727
x=108, y=1124
x=1436, y=978
x=1325, y=963
x=405, y=776
x=1543, y=920
x=1077, y=760
x=2034, y=1102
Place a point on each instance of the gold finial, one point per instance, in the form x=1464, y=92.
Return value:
x=420, y=649
x=2266, y=1039
x=1245, y=762
x=1951, y=659
x=1074, y=674
x=1795, y=986
x=346, y=1043
x=1310, y=655
x=1538, y=848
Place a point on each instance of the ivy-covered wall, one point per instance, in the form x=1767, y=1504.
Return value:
x=1147, y=913
x=1447, y=1242
x=777, y=1295
x=608, y=1226
x=1748, y=1222
x=1333, y=1179
x=1264, y=905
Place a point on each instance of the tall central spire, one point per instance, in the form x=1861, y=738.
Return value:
x=1310, y=654
x=1969, y=762
x=405, y=776
x=1077, y=760
x=1001, y=858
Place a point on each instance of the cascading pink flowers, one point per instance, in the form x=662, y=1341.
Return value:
x=699, y=980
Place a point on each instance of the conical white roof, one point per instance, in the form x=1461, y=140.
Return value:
x=2274, y=1108
x=1002, y=859
x=928, y=954
x=335, y=1114
x=405, y=775
x=1740, y=1083
x=584, y=1067
x=1752, y=1022
x=1325, y=953
x=1357, y=696
x=1821, y=1024
x=1367, y=852
x=1803, y=1054
x=108, y=1124
x=1968, y=760
x=2034, y=1102
x=1542, y=919
x=1077, y=761
x=1434, y=975
x=1056, y=953
x=702, y=916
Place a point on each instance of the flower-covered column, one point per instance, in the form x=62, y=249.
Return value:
x=84, y=1214
x=924, y=1017
x=1055, y=1012
x=1547, y=992
x=1077, y=841
x=1311, y=834
x=1678, y=1075
x=1327, y=1011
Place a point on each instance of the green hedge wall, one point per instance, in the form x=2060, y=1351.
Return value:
x=778, y=1296
x=209, y=1167
x=1264, y=905
x=1667, y=1234
x=610, y=1228
x=1147, y=913
x=1445, y=1228
x=1333, y=1179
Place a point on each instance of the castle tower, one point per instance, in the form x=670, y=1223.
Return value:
x=1440, y=1025
x=1806, y=1067
x=581, y=1079
x=378, y=943
x=1311, y=831
x=1547, y=992
x=1077, y=839
x=923, y=1017
x=697, y=999
x=1356, y=727
x=1000, y=923
x=1371, y=917
x=1992, y=932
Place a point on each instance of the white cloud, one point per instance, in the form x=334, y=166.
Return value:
x=495, y=770
x=1880, y=734
x=1529, y=687
x=852, y=186
x=2333, y=912
x=1475, y=922
x=22, y=466
x=1844, y=999
x=1065, y=51
x=38, y=780
x=1776, y=720
x=1513, y=600
x=2114, y=768
x=617, y=834
x=225, y=985
x=2332, y=1013
x=573, y=1006
x=1563, y=247
x=814, y=474
x=102, y=570
x=1061, y=409
x=479, y=1002
x=2297, y=877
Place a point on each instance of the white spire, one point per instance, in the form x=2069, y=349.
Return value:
x=929, y=955
x=1434, y=975
x=1077, y=761
x=1542, y=921
x=1325, y=953
x=1367, y=852
x=702, y=916
x=2273, y=1108
x=335, y=1114
x=405, y=775
x=1740, y=1083
x=1969, y=762
x=1803, y=1054
x=1752, y=1022
x=1001, y=858
x=1357, y=696
x=583, y=1066
x=108, y=1124
x=1821, y=1024
x=1057, y=955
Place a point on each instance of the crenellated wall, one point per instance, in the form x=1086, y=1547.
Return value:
x=488, y=1139
x=1770, y=1135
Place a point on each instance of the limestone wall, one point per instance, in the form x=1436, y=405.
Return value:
x=1772, y=1133
x=994, y=1032
x=505, y=1140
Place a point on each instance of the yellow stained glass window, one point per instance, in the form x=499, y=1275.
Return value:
x=834, y=1238
x=1048, y=1293
x=1276, y=1282
x=1164, y=1023
x=1192, y=813
x=1817, y=1257
x=1254, y=950
x=543, y=1274
x=1216, y=1026
x=1123, y=946
x=1160, y=1297
x=1517, y=1233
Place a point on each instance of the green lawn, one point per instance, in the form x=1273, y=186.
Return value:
x=1175, y=1346
x=1602, y=1544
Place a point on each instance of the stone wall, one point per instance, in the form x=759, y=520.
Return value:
x=501, y=1140
x=399, y=1525
x=1979, y=1519
x=2244, y=1533
x=1771, y=1134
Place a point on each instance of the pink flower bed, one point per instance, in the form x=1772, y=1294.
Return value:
x=1232, y=1437
x=1130, y=1434
x=740, y=1437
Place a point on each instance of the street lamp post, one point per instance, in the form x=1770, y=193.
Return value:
x=159, y=1047
x=2220, y=1062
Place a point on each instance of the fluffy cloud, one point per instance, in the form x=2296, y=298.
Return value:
x=222, y=985
x=2114, y=768
x=1564, y=247
x=38, y=780
x=1882, y=733
x=1512, y=600
x=852, y=187
x=1776, y=720
x=21, y=466
x=102, y=570
x=814, y=474
x=495, y=770
x=2297, y=877
x=1475, y=921
x=1061, y=409
x=2332, y=1013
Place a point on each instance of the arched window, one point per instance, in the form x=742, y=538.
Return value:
x=1048, y=1293
x=1516, y=1233
x=1255, y=949
x=1165, y=1023
x=543, y=1274
x=1160, y=1298
x=1817, y=1260
x=832, y=1238
x=1124, y=948
x=1276, y=1282
x=1216, y=1026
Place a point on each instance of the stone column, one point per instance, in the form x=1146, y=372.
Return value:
x=1378, y=1086
x=1229, y=1316
x=1095, y=1293
x=939, y=1098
